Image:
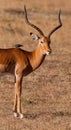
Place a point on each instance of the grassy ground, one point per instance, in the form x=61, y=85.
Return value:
x=46, y=96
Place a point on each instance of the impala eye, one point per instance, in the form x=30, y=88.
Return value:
x=42, y=42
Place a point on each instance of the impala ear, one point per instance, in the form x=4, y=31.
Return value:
x=34, y=36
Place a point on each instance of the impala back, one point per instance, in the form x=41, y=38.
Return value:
x=7, y=61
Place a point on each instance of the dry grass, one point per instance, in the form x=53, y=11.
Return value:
x=46, y=97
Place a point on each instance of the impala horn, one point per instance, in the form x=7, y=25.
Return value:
x=29, y=23
x=57, y=27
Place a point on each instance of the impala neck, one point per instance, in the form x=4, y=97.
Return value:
x=36, y=57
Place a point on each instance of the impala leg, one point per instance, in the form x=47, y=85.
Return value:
x=17, y=102
x=15, y=105
x=15, y=99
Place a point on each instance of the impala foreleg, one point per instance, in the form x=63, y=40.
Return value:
x=17, y=101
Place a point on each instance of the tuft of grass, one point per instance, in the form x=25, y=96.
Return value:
x=26, y=100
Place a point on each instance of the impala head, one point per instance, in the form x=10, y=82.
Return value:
x=43, y=41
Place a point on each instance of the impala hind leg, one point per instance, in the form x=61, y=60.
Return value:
x=15, y=105
x=15, y=101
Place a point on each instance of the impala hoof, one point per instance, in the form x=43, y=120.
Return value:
x=15, y=114
x=21, y=116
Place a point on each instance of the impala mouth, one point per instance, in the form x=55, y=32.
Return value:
x=48, y=52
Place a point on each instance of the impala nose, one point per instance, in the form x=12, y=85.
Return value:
x=48, y=52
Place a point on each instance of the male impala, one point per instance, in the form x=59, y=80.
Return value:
x=20, y=62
